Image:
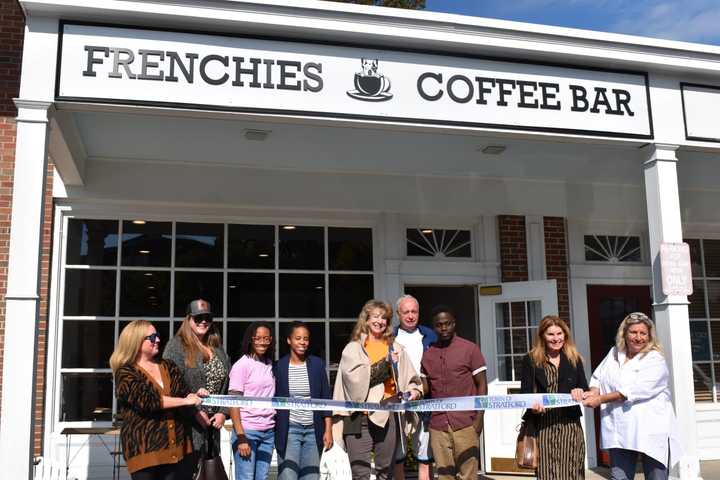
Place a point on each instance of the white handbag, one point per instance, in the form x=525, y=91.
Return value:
x=335, y=464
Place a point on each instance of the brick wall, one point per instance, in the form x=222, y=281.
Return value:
x=45, y=257
x=513, y=248
x=12, y=26
x=556, y=261
x=514, y=258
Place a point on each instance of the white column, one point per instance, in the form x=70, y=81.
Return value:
x=671, y=312
x=535, y=247
x=22, y=302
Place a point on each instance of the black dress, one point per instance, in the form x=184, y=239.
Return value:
x=561, y=440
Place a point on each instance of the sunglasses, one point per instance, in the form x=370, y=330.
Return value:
x=198, y=319
x=153, y=337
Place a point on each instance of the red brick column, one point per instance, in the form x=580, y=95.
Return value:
x=556, y=261
x=12, y=30
x=513, y=248
x=45, y=258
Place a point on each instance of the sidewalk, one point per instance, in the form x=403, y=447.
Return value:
x=710, y=470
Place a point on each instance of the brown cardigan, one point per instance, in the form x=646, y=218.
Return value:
x=150, y=435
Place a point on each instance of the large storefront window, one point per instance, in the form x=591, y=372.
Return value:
x=704, y=314
x=117, y=271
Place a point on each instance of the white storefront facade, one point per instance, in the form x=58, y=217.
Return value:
x=290, y=160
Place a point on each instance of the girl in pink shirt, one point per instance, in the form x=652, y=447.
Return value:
x=253, y=429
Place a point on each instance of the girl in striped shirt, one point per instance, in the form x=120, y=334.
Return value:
x=300, y=435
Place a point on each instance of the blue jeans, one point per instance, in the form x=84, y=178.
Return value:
x=257, y=465
x=623, y=463
x=301, y=459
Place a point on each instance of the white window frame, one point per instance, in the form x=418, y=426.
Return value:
x=708, y=319
x=641, y=239
x=472, y=243
x=57, y=317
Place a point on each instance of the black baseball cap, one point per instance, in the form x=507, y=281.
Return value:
x=199, y=307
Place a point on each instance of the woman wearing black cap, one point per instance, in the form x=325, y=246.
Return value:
x=197, y=349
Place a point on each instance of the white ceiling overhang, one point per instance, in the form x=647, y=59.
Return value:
x=219, y=140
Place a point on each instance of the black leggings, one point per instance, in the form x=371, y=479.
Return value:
x=183, y=470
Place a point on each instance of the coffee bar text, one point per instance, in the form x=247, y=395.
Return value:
x=523, y=94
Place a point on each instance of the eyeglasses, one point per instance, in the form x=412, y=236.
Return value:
x=262, y=340
x=153, y=337
x=198, y=319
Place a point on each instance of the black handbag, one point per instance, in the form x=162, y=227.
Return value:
x=210, y=466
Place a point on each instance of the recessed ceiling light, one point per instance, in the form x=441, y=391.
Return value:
x=319, y=287
x=233, y=286
x=493, y=149
x=264, y=255
x=426, y=230
x=289, y=227
x=148, y=274
x=256, y=135
x=139, y=222
x=151, y=287
x=144, y=252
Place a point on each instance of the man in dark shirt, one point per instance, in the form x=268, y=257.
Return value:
x=454, y=367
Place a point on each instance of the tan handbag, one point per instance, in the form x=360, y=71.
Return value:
x=526, y=449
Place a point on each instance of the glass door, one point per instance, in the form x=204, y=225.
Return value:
x=509, y=315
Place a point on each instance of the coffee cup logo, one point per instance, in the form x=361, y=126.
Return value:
x=370, y=86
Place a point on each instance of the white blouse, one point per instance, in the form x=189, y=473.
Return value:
x=645, y=421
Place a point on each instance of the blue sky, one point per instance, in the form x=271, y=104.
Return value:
x=686, y=20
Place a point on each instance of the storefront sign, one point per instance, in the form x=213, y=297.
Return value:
x=700, y=106
x=133, y=66
x=675, y=268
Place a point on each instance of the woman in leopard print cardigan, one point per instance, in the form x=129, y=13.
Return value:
x=156, y=406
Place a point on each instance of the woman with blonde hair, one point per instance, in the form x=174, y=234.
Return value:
x=373, y=368
x=554, y=365
x=636, y=413
x=155, y=404
x=197, y=350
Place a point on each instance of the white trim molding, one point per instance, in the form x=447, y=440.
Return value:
x=22, y=303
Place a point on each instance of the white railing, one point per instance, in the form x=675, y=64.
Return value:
x=43, y=470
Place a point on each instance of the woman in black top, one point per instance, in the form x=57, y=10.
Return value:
x=197, y=351
x=555, y=366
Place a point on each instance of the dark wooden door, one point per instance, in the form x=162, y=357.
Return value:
x=607, y=306
x=461, y=298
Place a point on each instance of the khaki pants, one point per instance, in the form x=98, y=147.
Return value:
x=456, y=453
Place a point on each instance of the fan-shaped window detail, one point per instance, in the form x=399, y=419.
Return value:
x=612, y=248
x=434, y=242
